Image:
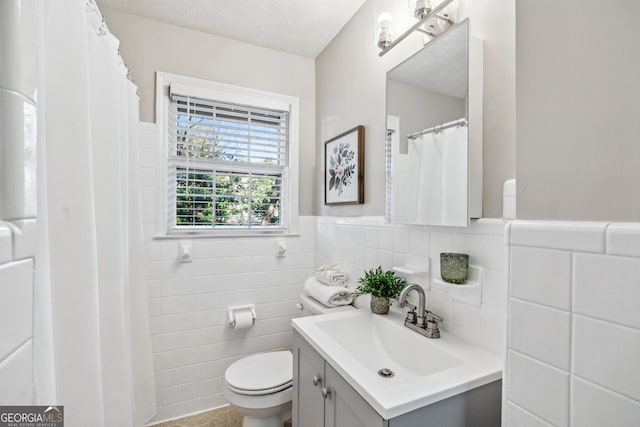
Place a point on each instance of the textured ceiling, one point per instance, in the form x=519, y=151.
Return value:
x=302, y=27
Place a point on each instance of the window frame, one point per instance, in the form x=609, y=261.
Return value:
x=223, y=92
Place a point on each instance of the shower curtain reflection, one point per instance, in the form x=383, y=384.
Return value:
x=437, y=193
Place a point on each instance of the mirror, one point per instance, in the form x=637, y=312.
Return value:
x=429, y=149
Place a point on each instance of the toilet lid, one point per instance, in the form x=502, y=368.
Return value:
x=261, y=373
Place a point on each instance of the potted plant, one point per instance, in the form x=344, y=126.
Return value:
x=382, y=285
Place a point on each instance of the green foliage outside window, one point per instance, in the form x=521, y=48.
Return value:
x=206, y=198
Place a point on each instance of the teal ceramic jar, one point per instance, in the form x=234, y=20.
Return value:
x=454, y=268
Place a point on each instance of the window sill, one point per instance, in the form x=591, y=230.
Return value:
x=223, y=236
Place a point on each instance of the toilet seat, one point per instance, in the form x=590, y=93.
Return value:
x=261, y=374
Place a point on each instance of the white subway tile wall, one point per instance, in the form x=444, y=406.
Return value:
x=18, y=123
x=518, y=417
x=540, y=388
x=375, y=243
x=16, y=314
x=16, y=372
x=16, y=305
x=574, y=330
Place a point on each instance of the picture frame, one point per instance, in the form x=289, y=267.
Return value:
x=344, y=168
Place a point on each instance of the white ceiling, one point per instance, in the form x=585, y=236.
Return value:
x=301, y=27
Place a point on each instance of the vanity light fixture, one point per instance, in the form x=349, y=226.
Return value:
x=430, y=22
x=384, y=30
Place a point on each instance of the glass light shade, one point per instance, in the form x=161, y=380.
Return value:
x=384, y=30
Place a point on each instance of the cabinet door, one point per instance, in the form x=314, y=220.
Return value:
x=344, y=407
x=308, y=380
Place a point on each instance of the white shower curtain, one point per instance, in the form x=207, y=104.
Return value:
x=454, y=175
x=438, y=169
x=425, y=171
x=92, y=349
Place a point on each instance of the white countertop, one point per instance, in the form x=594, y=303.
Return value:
x=357, y=343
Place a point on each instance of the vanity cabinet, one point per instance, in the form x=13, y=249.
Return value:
x=323, y=398
x=344, y=406
x=308, y=380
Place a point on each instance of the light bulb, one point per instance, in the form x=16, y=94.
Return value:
x=384, y=20
x=384, y=30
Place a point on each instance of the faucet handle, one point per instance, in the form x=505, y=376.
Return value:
x=411, y=314
x=432, y=325
x=432, y=317
x=408, y=304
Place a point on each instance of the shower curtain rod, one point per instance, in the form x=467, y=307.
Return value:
x=438, y=128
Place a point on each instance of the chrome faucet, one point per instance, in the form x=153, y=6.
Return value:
x=423, y=322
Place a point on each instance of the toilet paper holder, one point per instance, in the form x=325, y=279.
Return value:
x=231, y=313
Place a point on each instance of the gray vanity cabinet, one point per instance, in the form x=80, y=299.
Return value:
x=322, y=398
x=344, y=406
x=308, y=380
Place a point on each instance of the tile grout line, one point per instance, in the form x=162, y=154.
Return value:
x=571, y=337
x=525, y=410
x=607, y=389
x=507, y=320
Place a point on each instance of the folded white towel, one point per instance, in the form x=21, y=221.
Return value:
x=330, y=296
x=331, y=275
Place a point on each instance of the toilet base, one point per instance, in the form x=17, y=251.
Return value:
x=266, y=415
x=275, y=418
x=274, y=421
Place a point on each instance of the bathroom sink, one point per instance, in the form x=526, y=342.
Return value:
x=359, y=344
x=377, y=343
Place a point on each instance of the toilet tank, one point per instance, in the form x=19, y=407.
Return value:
x=310, y=306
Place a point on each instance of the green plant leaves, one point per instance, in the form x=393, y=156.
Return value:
x=381, y=284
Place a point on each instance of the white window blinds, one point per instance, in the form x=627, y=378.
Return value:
x=227, y=165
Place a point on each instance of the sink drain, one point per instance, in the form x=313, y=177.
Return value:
x=385, y=373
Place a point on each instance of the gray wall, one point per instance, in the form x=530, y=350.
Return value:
x=350, y=90
x=578, y=150
x=149, y=46
x=419, y=108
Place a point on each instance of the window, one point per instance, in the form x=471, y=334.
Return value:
x=227, y=153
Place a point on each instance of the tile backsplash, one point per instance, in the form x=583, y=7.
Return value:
x=362, y=243
x=573, y=324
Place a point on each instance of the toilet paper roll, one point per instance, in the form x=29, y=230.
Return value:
x=243, y=320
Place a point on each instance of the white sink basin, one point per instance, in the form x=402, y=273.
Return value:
x=377, y=343
x=358, y=344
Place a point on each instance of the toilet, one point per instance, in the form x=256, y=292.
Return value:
x=260, y=386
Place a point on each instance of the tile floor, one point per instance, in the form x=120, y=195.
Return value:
x=221, y=417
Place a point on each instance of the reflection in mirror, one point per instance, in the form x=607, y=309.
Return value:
x=427, y=133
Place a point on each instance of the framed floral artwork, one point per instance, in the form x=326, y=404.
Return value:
x=344, y=168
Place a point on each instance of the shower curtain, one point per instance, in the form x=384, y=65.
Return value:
x=438, y=167
x=454, y=175
x=92, y=349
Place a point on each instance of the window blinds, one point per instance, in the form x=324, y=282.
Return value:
x=227, y=164
x=388, y=149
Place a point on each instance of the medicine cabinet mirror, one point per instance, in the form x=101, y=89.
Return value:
x=434, y=133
